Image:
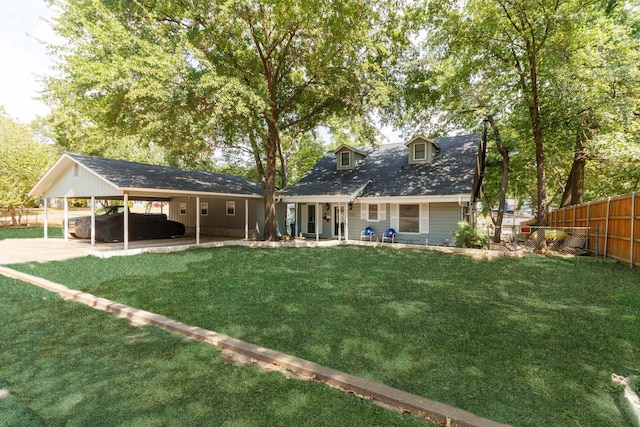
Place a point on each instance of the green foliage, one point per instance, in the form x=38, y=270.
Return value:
x=567, y=68
x=22, y=162
x=28, y=232
x=256, y=76
x=468, y=237
x=497, y=338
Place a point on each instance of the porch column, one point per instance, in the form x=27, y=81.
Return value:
x=126, y=221
x=93, y=220
x=246, y=219
x=199, y=212
x=318, y=221
x=338, y=219
x=46, y=220
x=346, y=222
x=65, y=219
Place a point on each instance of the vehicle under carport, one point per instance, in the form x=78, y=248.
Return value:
x=204, y=194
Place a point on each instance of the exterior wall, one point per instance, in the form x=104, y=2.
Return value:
x=444, y=219
x=217, y=222
x=357, y=224
x=76, y=181
x=438, y=222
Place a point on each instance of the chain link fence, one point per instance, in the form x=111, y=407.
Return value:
x=565, y=240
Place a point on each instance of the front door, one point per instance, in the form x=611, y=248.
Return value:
x=311, y=219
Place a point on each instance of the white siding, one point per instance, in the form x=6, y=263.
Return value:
x=84, y=184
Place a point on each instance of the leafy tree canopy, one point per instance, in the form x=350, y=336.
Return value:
x=193, y=76
x=22, y=161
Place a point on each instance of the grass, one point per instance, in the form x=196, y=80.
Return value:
x=528, y=342
x=65, y=364
x=28, y=232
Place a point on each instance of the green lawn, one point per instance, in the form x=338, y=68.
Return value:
x=530, y=342
x=65, y=364
x=28, y=232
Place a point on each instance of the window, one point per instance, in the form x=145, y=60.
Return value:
x=373, y=212
x=409, y=221
x=204, y=208
x=420, y=152
x=231, y=208
x=345, y=159
x=76, y=169
x=183, y=208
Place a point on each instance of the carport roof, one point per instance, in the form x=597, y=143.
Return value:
x=112, y=178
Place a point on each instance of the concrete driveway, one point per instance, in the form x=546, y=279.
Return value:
x=15, y=251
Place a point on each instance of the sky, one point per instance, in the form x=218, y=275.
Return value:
x=22, y=23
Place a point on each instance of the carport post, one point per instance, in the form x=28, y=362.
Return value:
x=46, y=221
x=246, y=219
x=65, y=226
x=199, y=211
x=93, y=221
x=126, y=221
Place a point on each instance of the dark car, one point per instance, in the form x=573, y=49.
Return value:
x=109, y=210
x=110, y=228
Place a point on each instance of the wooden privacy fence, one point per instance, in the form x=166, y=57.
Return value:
x=618, y=225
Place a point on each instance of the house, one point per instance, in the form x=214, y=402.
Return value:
x=205, y=202
x=421, y=188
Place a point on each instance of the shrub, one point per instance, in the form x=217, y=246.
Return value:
x=468, y=237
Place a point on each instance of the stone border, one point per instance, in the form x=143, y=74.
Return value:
x=476, y=254
x=378, y=393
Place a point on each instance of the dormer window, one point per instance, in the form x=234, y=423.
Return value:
x=348, y=157
x=421, y=150
x=345, y=159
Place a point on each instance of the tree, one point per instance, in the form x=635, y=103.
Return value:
x=554, y=72
x=22, y=162
x=191, y=76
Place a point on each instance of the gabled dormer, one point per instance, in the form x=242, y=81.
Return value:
x=348, y=157
x=421, y=149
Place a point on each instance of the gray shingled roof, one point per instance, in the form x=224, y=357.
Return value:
x=386, y=172
x=125, y=174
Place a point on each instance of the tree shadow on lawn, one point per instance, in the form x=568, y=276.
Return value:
x=529, y=341
x=72, y=365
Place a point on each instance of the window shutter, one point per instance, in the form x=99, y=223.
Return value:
x=424, y=218
x=382, y=212
x=319, y=219
x=364, y=211
x=395, y=217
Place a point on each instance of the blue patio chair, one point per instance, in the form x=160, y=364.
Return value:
x=368, y=234
x=389, y=235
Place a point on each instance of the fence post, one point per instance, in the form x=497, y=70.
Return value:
x=574, y=216
x=633, y=234
x=606, y=228
x=588, y=228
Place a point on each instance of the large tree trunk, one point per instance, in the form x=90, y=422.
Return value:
x=269, y=187
x=504, y=183
x=536, y=127
x=574, y=187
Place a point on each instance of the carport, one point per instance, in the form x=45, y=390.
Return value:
x=75, y=176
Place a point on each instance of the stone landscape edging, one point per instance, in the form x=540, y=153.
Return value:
x=474, y=253
x=386, y=396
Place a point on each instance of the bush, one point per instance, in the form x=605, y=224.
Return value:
x=468, y=237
